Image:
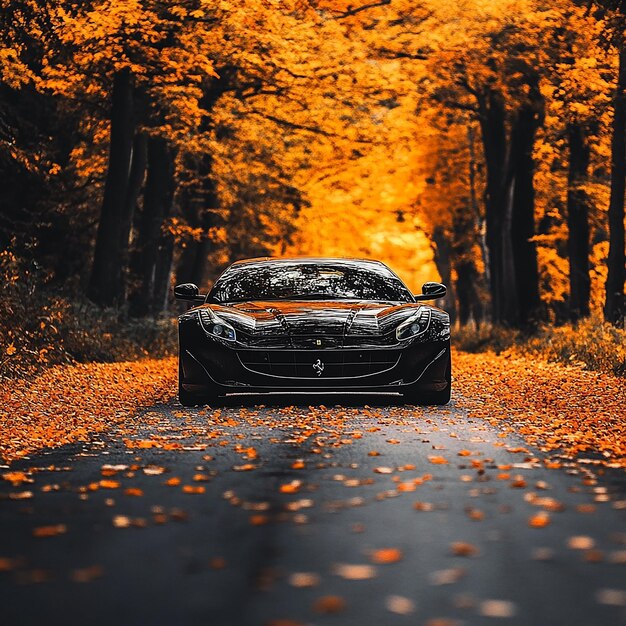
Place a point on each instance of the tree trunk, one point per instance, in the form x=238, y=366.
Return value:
x=444, y=267
x=469, y=284
x=200, y=212
x=498, y=208
x=106, y=285
x=578, y=222
x=480, y=219
x=614, y=304
x=163, y=274
x=468, y=294
x=201, y=204
x=157, y=202
x=529, y=119
x=136, y=179
x=508, y=280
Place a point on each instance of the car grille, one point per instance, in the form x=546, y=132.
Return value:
x=308, y=363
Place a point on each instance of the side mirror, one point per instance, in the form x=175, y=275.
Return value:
x=189, y=292
x=431, y=291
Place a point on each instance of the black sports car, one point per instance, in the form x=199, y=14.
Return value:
x=313, y=325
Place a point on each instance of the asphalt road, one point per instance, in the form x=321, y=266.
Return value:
x=359, y=514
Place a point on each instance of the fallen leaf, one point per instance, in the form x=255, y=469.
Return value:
x=463, y=548
x=497, y=608
x=292, y=487
x=304, y=579
x=406, y=486
x=153, y=470
x=586, y=508
x=21, y=495
x=447, y=576
x=539, y=520
x=87, y=574
x=423, y=506
x=354, y=572
x=400, y=605
x=438, y=460
x=329, y=605
x=6, y=564
x=194, y=489
x=618, y=556
x=17, y=478
x=611, y=597
x=543, y=554
x=50, y=531
x=474, y=514
x=386, y=555
x=109, y=484
x=580, y=542
x=121, y=521
x=246, y=467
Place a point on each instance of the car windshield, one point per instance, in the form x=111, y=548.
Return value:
x=309, y=281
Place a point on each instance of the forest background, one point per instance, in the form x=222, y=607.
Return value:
x=145, y=142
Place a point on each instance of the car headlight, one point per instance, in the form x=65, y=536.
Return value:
x=215, y=326
x=415, y=326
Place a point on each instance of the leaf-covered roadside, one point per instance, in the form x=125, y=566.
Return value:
x=557, y=408
x=68, y=403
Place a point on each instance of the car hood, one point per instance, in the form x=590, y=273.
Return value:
x=306, y=318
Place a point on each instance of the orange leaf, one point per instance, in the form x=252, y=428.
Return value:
x=438, y=460
x=329, y=604
x=540, y=520
x=462, y=548
x=386, y=555
x=50, y=531
x=196, y=489
x=109, y=484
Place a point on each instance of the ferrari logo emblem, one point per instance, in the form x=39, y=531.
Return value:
x=318, y=366
x=318, y=342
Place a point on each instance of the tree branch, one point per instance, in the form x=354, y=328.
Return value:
x=354, y=11
x=310, y=129
x=386, y=53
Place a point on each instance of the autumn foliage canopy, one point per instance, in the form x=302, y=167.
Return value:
x=144, y=141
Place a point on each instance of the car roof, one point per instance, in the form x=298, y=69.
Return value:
x=307, y=260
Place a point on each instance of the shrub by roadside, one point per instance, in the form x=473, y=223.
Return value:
x=41, y=326
x=591, y=344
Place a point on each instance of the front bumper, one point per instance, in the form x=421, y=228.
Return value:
x=206, y=363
